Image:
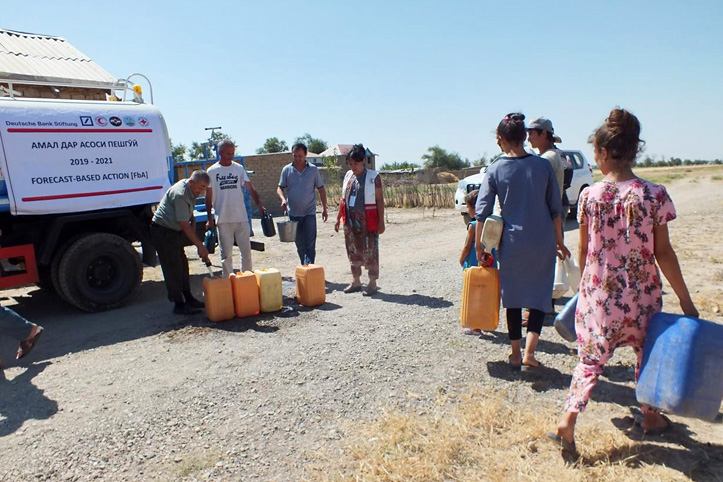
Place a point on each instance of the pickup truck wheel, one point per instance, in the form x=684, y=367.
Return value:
x=99, y=271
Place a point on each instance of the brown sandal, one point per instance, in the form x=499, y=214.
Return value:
x=370, y=291
x=352, y=289
x=26, y=346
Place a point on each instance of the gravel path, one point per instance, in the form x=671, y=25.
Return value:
x=141, y=394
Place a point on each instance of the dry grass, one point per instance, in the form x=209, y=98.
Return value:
x=707, y=305
x=666, y=175
x=483, y=437
x=193, y=463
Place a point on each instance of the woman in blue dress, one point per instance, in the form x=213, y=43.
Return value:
x=531, y=205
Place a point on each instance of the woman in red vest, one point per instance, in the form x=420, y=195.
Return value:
x=362, y=212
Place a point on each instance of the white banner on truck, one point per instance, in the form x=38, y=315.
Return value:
x=61, y=156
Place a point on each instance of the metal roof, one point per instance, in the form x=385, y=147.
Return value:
x=48, y=59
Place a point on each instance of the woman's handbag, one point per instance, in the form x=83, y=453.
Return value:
x=267, y=224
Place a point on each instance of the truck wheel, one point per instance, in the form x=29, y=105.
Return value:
x=55, y=267
x=99, y=271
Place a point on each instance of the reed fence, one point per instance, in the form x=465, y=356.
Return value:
x=408, y=195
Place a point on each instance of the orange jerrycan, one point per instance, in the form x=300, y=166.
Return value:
x=245, y=293
x=269, y=283
x=481, y=298
x=310, y=285
x=218, y=297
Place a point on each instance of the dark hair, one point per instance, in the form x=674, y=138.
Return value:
x=620, y=136
x=471, y=198
x=357, y=153
x=299, y=145
x=512, y=128
x=550, y=136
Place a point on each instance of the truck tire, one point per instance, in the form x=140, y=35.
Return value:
x=99, y=271
x=55, y=267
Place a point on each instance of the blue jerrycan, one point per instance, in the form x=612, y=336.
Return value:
x=682, y=368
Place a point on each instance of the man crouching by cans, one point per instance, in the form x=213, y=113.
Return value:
x=172, y=225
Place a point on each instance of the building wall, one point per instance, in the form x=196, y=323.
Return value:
x=267, y=169
x=45, y=92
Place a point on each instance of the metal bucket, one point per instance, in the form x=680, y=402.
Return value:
x=287, y=230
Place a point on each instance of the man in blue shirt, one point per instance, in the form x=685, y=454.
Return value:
x=296, y=190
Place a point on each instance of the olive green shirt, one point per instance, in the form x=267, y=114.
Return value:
x=176, y=206
x=558, y=166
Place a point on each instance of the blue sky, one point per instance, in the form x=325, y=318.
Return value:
x=401, y=76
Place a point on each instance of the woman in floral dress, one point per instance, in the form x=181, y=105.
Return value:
x=623, y=232
x=362, y=215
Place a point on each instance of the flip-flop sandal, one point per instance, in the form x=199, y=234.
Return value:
x=370, y=291
x=471, y=331
x=569, y=452
x=532, y=368
x=352, y=289
x=26, y=346
x=513, y=365
x=639, y=417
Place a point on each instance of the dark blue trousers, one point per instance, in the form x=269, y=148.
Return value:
x=305, y=237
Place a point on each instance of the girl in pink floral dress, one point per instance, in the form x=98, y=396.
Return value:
x=623, y=232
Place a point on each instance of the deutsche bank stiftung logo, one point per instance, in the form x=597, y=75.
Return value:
x=86, y=120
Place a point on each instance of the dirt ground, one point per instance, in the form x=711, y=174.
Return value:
x=141, y=394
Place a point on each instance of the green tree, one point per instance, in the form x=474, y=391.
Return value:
x=331, y=164
x=480, y=161
x=178, y=151
x=313, y=144
x=272, y=144
x=438, y=157
x=395, y=166
x=197, y=150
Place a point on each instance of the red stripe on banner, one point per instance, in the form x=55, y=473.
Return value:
x=36, y=131
x=89, y=194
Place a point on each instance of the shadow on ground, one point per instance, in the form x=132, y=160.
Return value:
x=545, y=378
x=68, y=330
x=411, y=299
x=20, y=400
x=543, y=345
x=698, y=461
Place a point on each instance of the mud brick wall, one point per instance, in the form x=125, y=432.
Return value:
x=267, y=169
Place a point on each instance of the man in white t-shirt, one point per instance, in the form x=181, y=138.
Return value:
x=225, y=195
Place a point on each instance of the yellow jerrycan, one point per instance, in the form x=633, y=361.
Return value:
x=269, y=283
x=310, y=285
x=245, y=294
x=480, y=299
x=218, y=297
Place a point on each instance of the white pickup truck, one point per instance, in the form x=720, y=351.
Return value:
x=581, y=178
x=78, y=182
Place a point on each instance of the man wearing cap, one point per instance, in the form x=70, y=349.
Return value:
x=542, y=137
